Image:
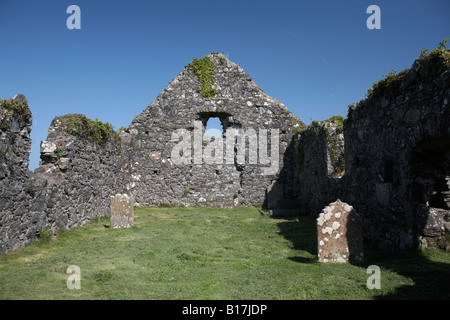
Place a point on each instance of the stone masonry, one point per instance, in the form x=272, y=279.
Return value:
x=389, y=158
x=77, y=175
x=397, y=160
x=155, y=178
x=71, y=186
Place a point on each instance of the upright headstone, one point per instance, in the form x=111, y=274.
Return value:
x=121, y=211
x=339, y=234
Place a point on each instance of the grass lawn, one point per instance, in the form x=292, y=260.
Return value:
x=209, y=253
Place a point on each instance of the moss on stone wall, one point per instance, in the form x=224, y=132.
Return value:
x=437, y=60
x=95, y=130
x=389, y=84
x=339, y=122
x=19, y=106
x=204, y=71
x=439, y=57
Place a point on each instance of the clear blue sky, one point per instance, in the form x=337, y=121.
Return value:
x=315, y=56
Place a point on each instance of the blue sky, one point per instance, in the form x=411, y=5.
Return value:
x=315, y=56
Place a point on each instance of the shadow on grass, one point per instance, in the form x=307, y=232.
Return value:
x=302, y=234
x=431, y=278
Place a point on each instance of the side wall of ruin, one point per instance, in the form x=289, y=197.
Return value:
x=397, y=161
x=71, y=186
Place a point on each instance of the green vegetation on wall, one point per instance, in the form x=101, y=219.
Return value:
x=19, y=106
x=204, y=71
x=315, y=125
x=390, y=83
x=95, y=130
x=13, y=106
x=439, y=57
x=434, y=61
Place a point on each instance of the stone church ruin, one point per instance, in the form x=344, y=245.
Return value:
x=389, y=159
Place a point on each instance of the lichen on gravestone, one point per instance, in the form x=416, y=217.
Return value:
x=121, y=211
x=339, y=234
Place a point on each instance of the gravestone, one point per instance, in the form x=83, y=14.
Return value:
x=121, y=211
x=339, y=234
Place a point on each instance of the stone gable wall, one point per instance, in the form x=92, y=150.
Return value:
x=241, y=105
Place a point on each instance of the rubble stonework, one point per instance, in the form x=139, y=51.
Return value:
x=340, y=234
x=155, y=177
x=77, y=175
x=71, y=186
x=394, y=167
x=397, y=161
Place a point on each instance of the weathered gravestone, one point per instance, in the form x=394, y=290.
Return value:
x=121, y=211
x=339, y=234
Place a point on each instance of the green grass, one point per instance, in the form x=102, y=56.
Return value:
x=209, y=253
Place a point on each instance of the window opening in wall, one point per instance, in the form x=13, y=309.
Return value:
x=213, y=127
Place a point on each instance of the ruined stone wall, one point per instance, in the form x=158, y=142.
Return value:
x=319, y=151
x=156, y=177
x=397, y=160
x=15, y=141
x=84, y=162
x=80, y=175
x=16, y=186
x=397, y=155
x=71, y=186
x=396, y=172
